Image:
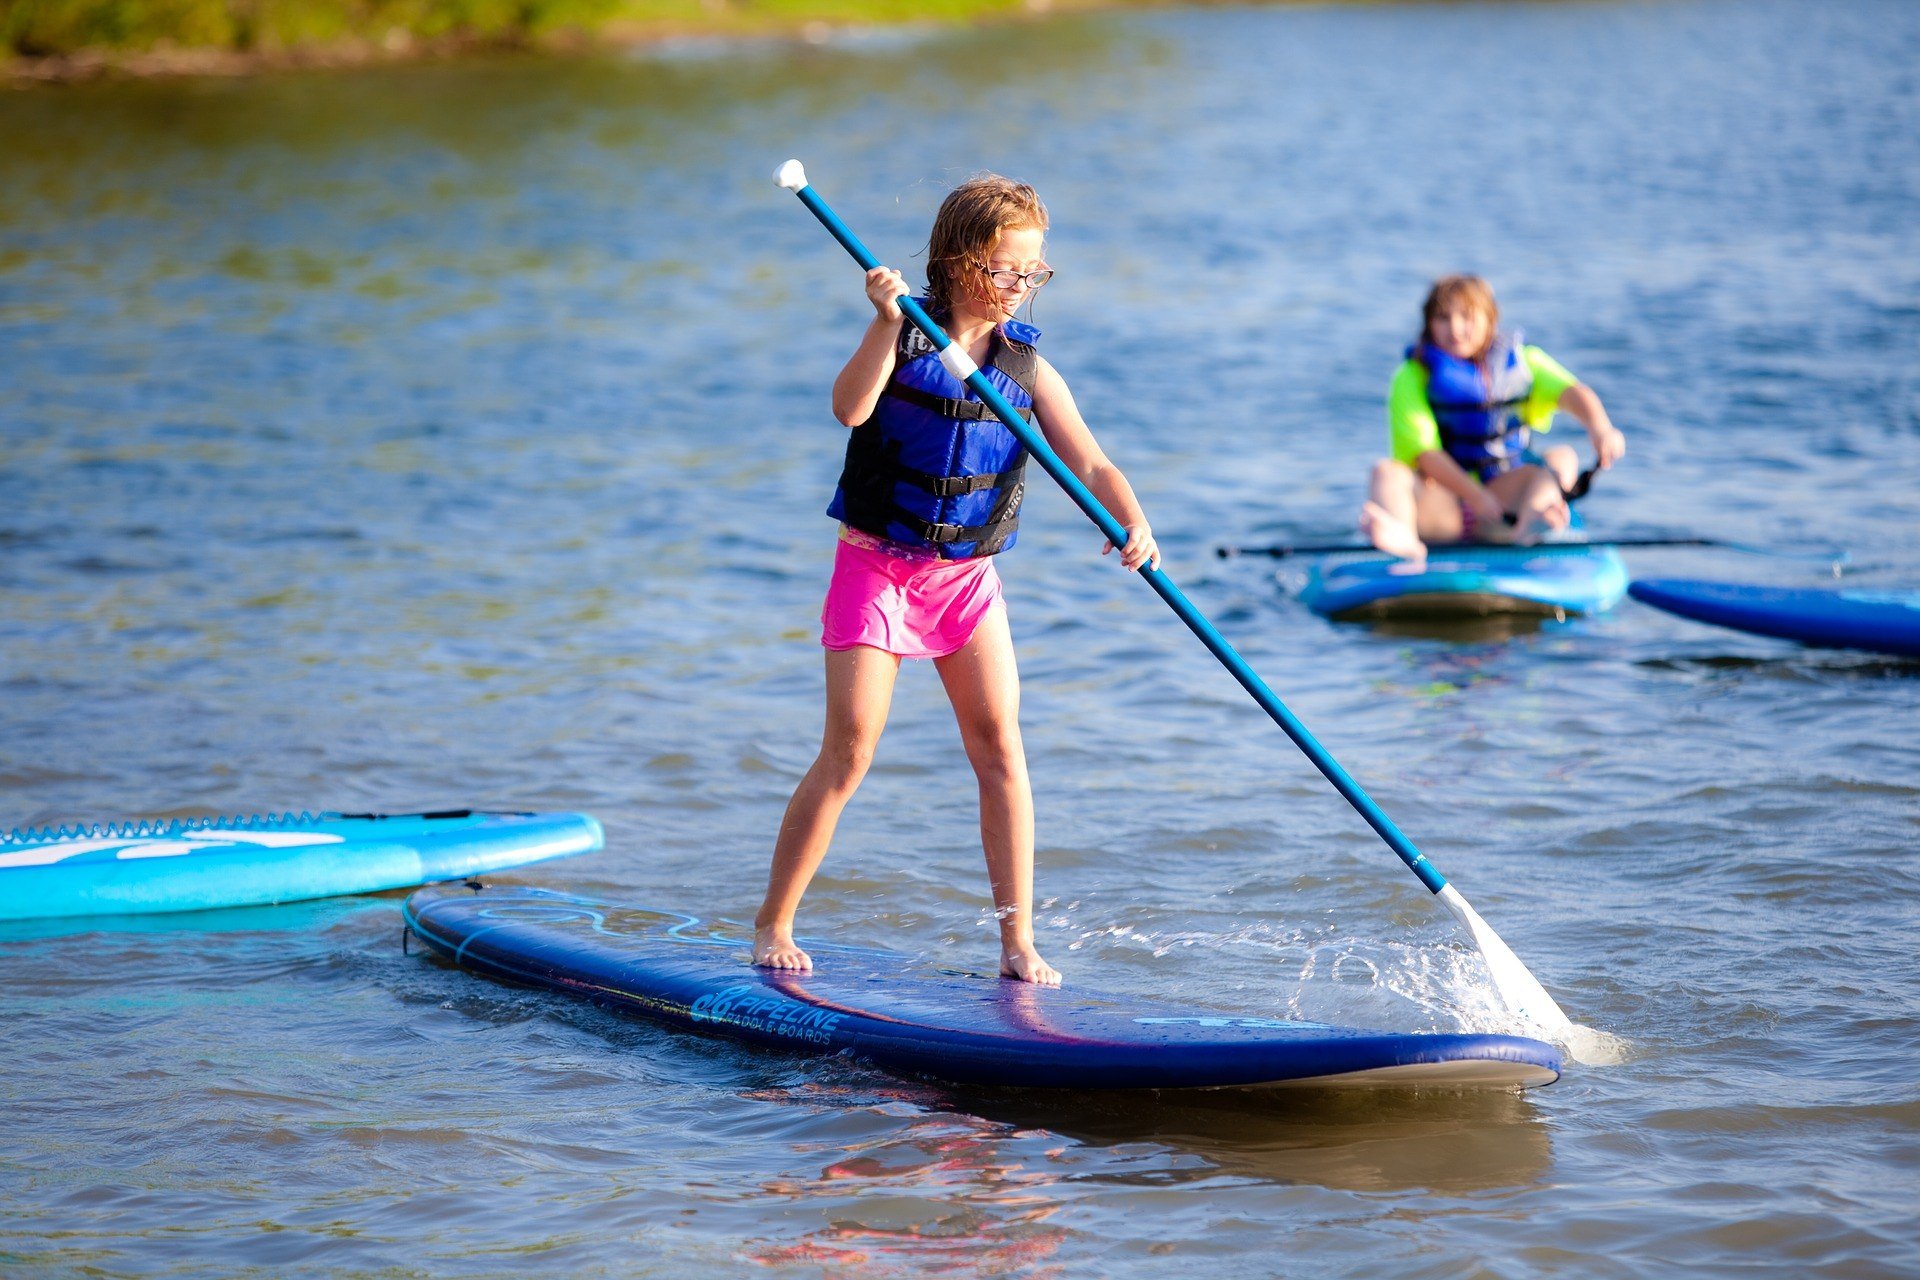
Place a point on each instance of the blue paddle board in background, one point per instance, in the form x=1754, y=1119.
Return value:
x=910, y=1016
x=1469, y=580
x=1878, y=621
x=201, y=863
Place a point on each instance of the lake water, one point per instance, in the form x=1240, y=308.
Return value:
x=457, y=435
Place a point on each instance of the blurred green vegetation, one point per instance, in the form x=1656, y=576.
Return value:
x=42, y=27
x=51, y=28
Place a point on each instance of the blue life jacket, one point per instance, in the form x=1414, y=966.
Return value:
x=934, y=467
x=1477, y=404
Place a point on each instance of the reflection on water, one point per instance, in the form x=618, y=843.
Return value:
x=292, y=917
x=940, y=1190
x=1804, y=664
x=1344, y=1139
x=1451, y=628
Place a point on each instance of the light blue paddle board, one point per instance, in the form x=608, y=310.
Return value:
x=915, y=1017
x=1877, y=621
x=202, y=863
x=1469, y=580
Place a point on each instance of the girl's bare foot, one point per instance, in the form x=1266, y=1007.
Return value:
x=1024, y=963
x=1391, y=534
x=774, y=948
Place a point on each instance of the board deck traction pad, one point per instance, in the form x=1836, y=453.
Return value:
x=171, y=828
x=913, y=1017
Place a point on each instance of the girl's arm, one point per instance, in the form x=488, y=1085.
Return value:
x=858, y=387
x=1415, y=435
x=1064, y=428
x=1584, y=406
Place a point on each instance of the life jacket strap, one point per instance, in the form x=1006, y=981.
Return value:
x=1515, y=402
x=1493, y=425
x=940, y=534
x=888, y=463
x=1001, y=519
x=959, y=410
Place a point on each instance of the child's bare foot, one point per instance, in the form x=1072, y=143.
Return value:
x=1390, y=533
x=1024, y=963
x=774, y=948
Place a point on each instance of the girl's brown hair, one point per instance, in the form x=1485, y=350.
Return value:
x=1449, y=292
x=968, y=225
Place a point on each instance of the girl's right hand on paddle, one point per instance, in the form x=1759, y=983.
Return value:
x=885, y=288
x=1608, y=446
x=1140, y=548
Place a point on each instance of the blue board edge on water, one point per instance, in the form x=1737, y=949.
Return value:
x=1551, y=579
x=910, y=1017
x=201, y=864
x=1832, y=618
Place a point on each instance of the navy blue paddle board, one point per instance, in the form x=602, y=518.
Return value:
x=909, y=1016
x=1551, y=580
x=1878, y=621
x=199, y=864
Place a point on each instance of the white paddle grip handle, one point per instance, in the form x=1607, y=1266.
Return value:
x=791, y=176
x=957, y=361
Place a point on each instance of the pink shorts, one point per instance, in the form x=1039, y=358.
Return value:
x=913, y=607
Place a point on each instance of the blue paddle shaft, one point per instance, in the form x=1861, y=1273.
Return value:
x=1175, y=598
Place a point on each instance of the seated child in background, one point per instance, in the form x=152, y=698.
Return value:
x=1461, y=411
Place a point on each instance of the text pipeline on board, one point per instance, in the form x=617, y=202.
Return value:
x=752, y=1007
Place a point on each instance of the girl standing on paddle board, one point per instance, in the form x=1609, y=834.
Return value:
x=930, y=493
x=1461, y=410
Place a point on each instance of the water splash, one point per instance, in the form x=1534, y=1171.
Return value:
x=1433, y=985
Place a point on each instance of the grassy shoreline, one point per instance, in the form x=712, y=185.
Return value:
x=65, y=40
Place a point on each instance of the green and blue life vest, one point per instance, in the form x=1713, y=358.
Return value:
x=1477, y=404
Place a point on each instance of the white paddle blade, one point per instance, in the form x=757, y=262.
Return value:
x=791, y=176
x=1514, y=981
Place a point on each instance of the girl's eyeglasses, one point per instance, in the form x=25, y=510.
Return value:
x=1008, y=279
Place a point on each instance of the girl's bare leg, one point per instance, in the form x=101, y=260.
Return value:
x=983, y=683
x=859, y=692
x=1564, y=463
x=1533, y=494
x=1440, y=520
x=1391, y=516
